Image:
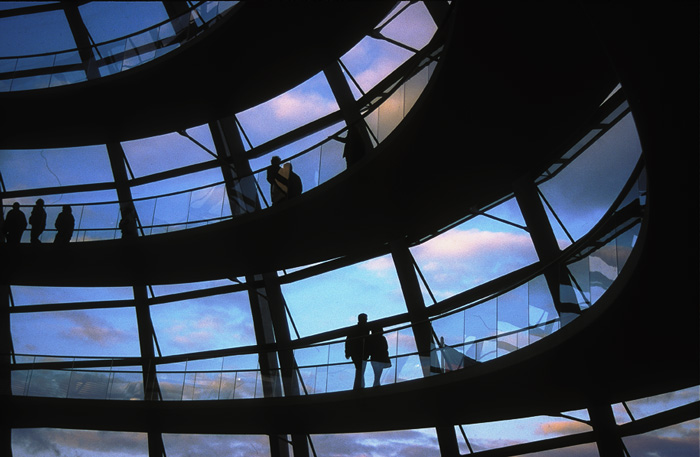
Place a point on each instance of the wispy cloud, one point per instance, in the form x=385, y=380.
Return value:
x=462, y=258
x=560, y=428
x=91, y=329
x=199, y=329
x=302, y=106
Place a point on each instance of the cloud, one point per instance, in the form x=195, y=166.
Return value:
x=300, y=106
x=406, y=443
x=92, y=330
x=214, y=328
x=460, y=259
x=60, y=442
x=560, y=428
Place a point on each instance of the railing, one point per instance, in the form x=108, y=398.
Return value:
x=384, y=109
x=41, y=71
x=492, y=326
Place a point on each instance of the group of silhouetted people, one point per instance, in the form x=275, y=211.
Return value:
x=284, y=183
x=362, y=346
x=15, y=224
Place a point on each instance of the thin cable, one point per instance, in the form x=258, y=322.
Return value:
x=561, y=224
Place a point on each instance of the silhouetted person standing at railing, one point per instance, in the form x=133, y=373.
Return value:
x=294, y=186
x=378, y=353
x=15, y=224
x=38, y=220
x=357, y=350
x=353, y=150
x=128, y=224
x=273, y=177
x=65, y=224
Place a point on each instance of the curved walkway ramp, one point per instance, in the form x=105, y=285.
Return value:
x=640, y=339
x=471, y=115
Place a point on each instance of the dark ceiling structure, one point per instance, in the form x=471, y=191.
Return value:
x=515, y=87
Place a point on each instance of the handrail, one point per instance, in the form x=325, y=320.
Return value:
x=189, y=378
x=370, y=102
x=451, y=305
x=436, y=312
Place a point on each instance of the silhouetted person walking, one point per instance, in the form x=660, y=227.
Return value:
x=357, y=350
x=65, y=224
x=38, y=220
x=15, y=224
x=378, y=353
x=273, y=177
x=353, y=150
x=128, y=224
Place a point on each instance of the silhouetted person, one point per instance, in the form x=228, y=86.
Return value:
x=294, y=187
x=357, y=350
x=15, y=224
x=128, y=224
x=38, y=220
x=378, y=353
x=65, y=223
x=354, y=149
x=273, y=177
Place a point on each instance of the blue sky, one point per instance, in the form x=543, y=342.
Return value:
x=467, y=255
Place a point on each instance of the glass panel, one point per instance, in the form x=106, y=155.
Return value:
x=34, y=169
x=217, y=322
x=31, y=83
x=18, y=34
x=497, y=434
x=390, y=114
x=341, y=377
x=31, y=63
x=541, y=309
x=678, y=440
x=171, y=385
x=126, y=386
x=334, y=299
x=49, y=383
x=109, y=20
x=582, y=192
x=414, y=27
x=109, y=64
x=89, y=384
x=179, y=445
x=307, y=102
x=652, y=405
x=90, y=333
x=419, y=442
x=450, y=328
x=472, y=253
x=70, y=77
x=167, y=152
x=331, y=161
x=372, y=60
x=512, y=315
x=37, y=295
x=603, y=269
x=51, y=442
x=581, y=281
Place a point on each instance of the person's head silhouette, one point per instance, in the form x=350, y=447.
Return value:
x=362, y=318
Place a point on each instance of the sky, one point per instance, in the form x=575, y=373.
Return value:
x=469, y=254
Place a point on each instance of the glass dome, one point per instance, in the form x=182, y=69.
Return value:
x=490, y=286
